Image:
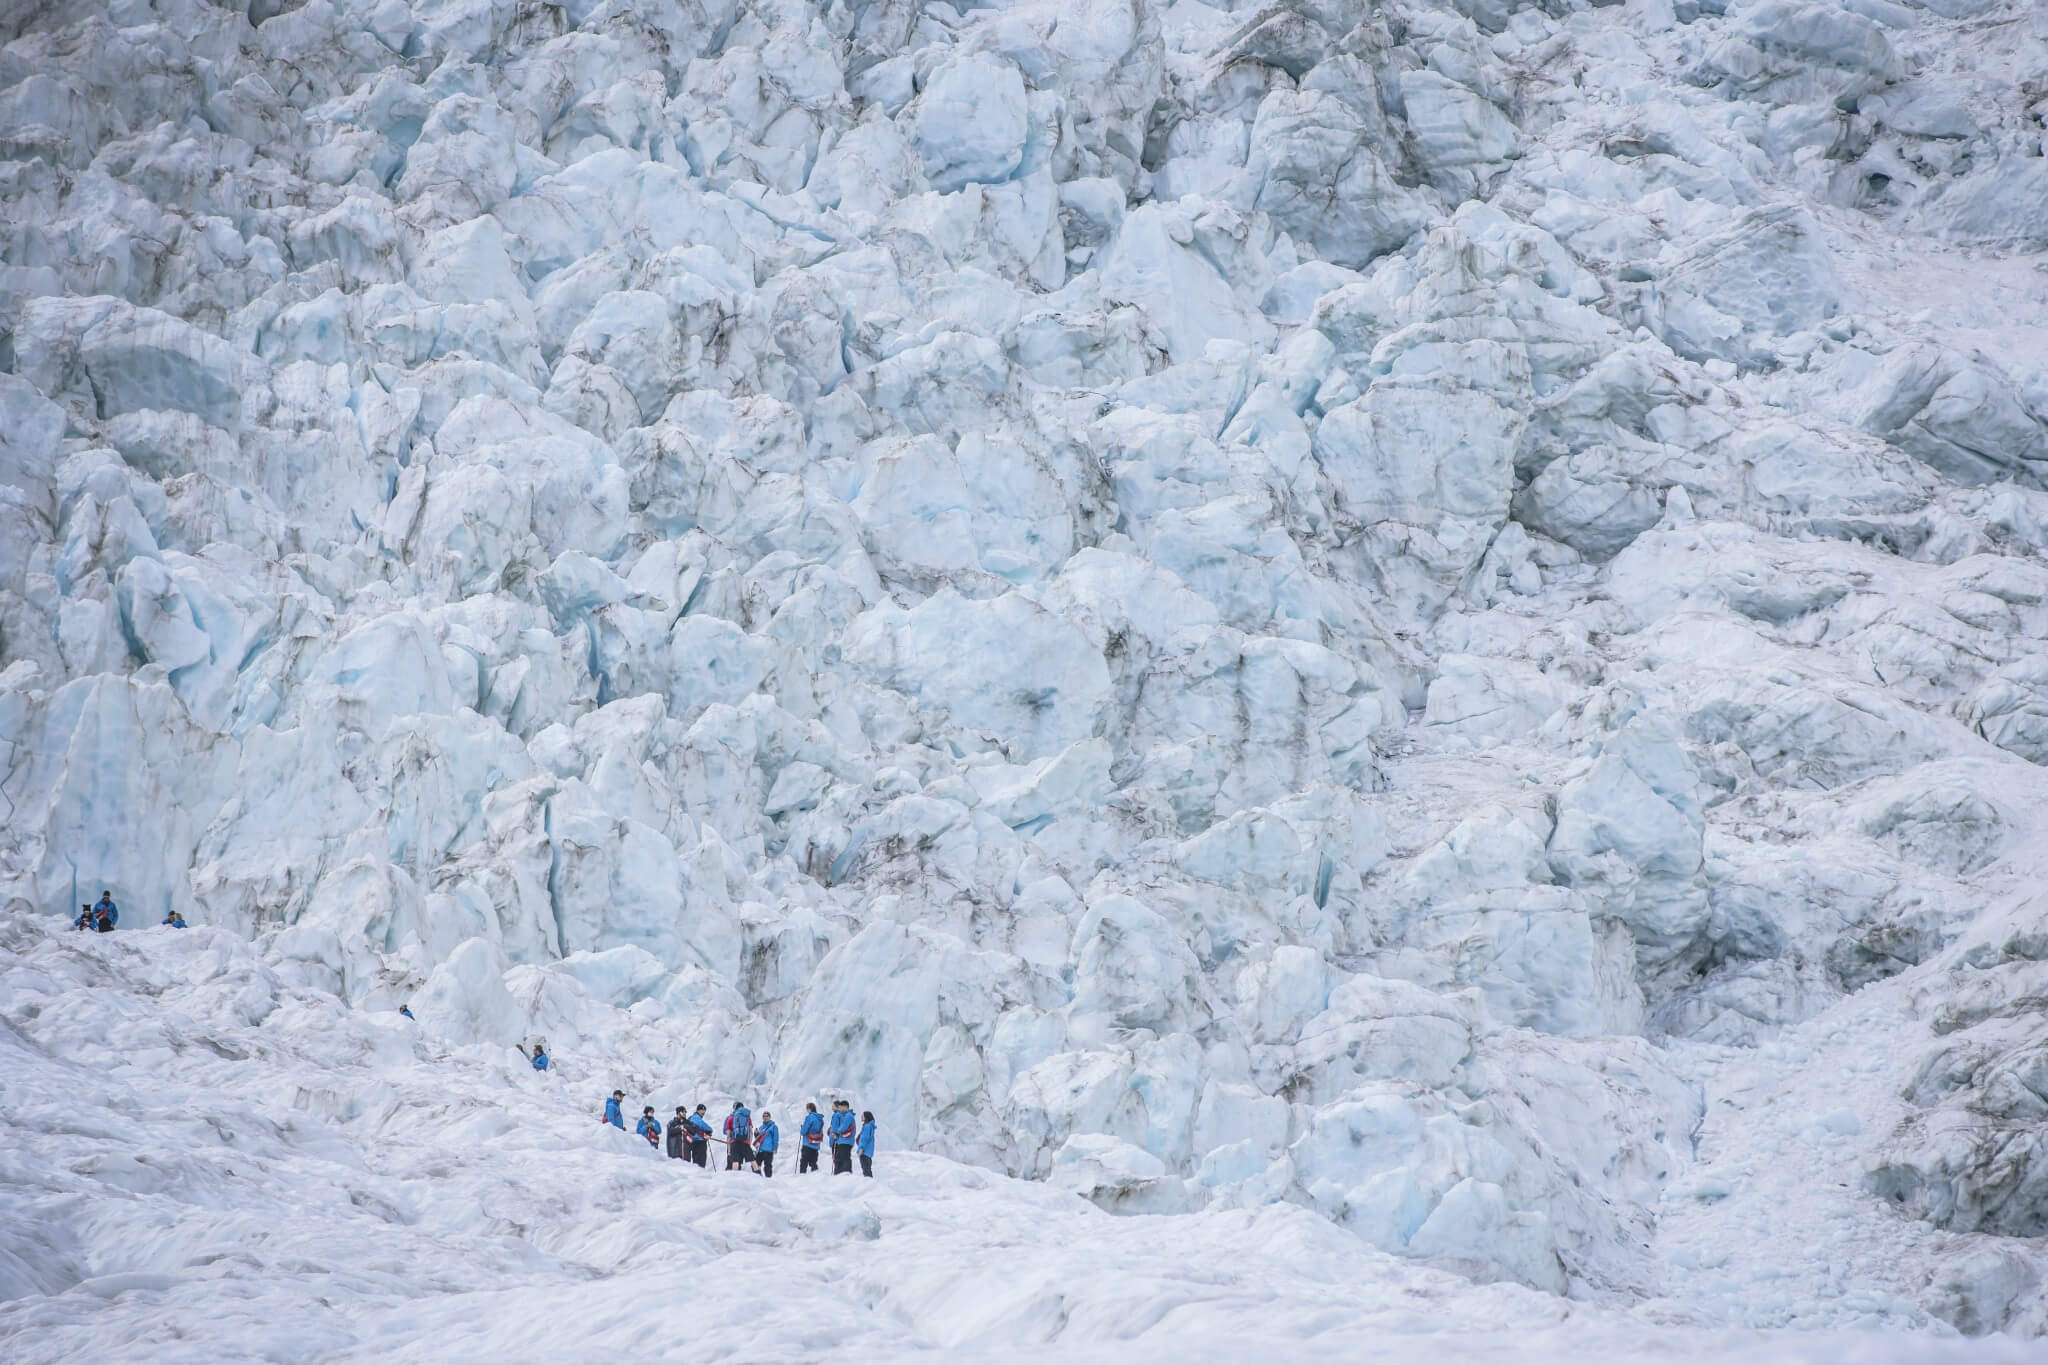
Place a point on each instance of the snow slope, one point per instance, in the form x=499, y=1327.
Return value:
x=207, y=1163
x=1388, y=630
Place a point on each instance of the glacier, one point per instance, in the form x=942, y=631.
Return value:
x=1376, y=669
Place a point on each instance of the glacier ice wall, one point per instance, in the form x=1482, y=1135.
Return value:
x=1330, y=602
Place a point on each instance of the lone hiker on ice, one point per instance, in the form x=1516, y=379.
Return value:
x=771, y=1139
x=678, y=1134
x=539, y=1055
x=649, y=1127
x=739, y=1132
x=866, y=1143
x=175, y=920
x=700, y=1137
x=812, y=1132
x=842, y=1138
x=612, y=1113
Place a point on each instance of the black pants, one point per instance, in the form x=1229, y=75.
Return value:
x=736, y=1154
x=768, y=1164
x=842, y=1159
x=700, y=1151
x=806, y=1159
x=675, y=1146
x=867, y=1166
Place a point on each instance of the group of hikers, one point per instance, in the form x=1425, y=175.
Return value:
x=748, y=1147
x=104, y=915
x=688, y=1134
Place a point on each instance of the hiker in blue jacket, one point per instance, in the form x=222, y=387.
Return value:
x=175, y=920
x=612, y=1113
x=539, y=1056
x=812, y=1134
x=700, y=1136
x=766, y=1145
x=84, y=920
x=649, y=1127
x=866, y=1143
x=739, y=1134
x=842, y=1138
x=106, y=914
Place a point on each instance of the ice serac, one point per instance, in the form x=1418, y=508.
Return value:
x=1415, y=624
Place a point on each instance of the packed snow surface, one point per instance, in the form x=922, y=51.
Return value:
x=1377, y=670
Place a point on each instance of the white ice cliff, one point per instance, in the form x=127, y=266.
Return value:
x=1415, y=626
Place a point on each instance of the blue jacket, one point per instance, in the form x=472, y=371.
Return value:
x=540, y=1060
x=700, y=1127
x=648, y=1127
x=813, y=1130
x=612, y=1114
x=771, y=1137
x=739, y=1124
x=866, y=1145
x=842, y=1128
x=113, y=911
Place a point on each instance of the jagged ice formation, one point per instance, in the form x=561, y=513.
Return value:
x=1429, y=611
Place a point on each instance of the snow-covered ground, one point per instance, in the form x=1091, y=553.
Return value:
x=1378, y=669
x=204, y=1163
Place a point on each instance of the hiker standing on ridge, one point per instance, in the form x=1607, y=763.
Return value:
x=106, y=914
x=700, y=1137
x=866, y=1143
x=649, y=1127
x=812, y=1137
x=678, y=1134
x=764, y=1150
x=842, y=1138
x=612, y=1113
x=739, y=1133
